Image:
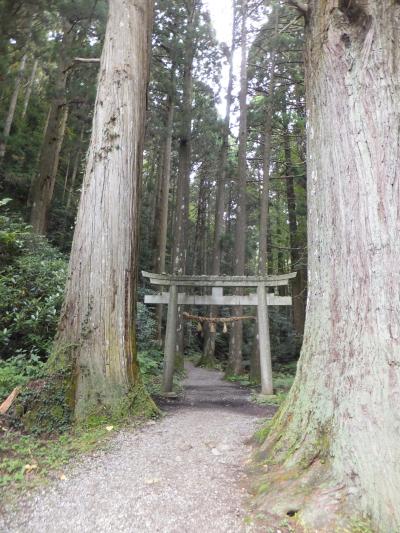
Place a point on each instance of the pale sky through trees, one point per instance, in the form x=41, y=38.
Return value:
x=221, y=16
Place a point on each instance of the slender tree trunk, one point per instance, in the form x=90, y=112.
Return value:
x=164, y=192
x=336, y=437
x=236, y=336
x=161, y=221
x=208, y=358
x=29, y=88
x=255, y=368
x=97, y=326
x=184, y=154
x=151, y=191
x=200, y=238
x=13, y=105
x=77, y=162
x=298, y=289
x=66, y=178
x=43, y=185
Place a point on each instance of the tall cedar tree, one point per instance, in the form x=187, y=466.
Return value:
x=336, y=437
x=239, y=259
x=97, y=327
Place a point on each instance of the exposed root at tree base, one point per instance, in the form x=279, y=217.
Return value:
x=304, y=500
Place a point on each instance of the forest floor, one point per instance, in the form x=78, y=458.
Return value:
x=184, y=473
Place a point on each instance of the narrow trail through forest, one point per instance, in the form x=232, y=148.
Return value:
x=183, y=473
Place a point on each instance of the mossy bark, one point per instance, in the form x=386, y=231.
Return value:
x=96, y=335
x=332, y=450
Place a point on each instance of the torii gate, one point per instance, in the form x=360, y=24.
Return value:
x=217, y=283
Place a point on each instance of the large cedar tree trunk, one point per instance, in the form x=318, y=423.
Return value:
x=239, y=258
x=97, y=327
x=339, y=430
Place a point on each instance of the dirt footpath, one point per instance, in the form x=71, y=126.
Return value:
x=181, y=474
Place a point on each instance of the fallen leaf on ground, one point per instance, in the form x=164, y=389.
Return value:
x=29, y=468
x=152, y=481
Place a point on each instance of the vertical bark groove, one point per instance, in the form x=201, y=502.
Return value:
x=341, y=416
x=97, y=328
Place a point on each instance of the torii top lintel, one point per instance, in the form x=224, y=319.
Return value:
x=218, y=281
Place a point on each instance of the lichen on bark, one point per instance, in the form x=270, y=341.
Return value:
x=96, y=333
x=332, y=450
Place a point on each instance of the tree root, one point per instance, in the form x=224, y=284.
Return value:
x=307, y=498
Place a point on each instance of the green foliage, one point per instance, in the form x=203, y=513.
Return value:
x=145, y=327
x=26, y=460
x=357, y=525
x=262, y=432
x=17, y=371
x=283, y=381
x=150, y=362
x=150, y=355
x=32, y=279
x=45, y=406
x=243, y=380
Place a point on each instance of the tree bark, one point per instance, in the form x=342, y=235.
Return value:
x=161, y=219
x=185, y=155
x=336, y=437
x=12, y=107
x=97, y=326
x=200, y=237
x=43, y=185
x=75, y=169
x=255, y=367
x=66, y=178
x=298, y=284
x=236, y=334
x=29, y=88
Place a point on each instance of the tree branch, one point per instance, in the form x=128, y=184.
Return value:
x=81, y=60
x=300, y=6
x=87, y=60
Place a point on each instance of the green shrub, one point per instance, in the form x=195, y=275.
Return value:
x=145, y=327
x=150, y=355
x=18, y=371
x=150, y=362
x=32, y=279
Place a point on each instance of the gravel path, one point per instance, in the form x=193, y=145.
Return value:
x=182, y=474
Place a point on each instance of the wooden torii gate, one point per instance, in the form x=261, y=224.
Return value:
x=217, y=283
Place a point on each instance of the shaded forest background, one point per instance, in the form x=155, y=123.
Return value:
x=49, y=52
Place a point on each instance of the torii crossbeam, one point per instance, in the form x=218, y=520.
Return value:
x=261, y=299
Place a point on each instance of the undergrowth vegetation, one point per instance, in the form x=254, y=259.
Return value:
x=32, y=279
x=27, y=460
x=150, y=354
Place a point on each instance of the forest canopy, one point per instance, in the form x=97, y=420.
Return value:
x=133, y=140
